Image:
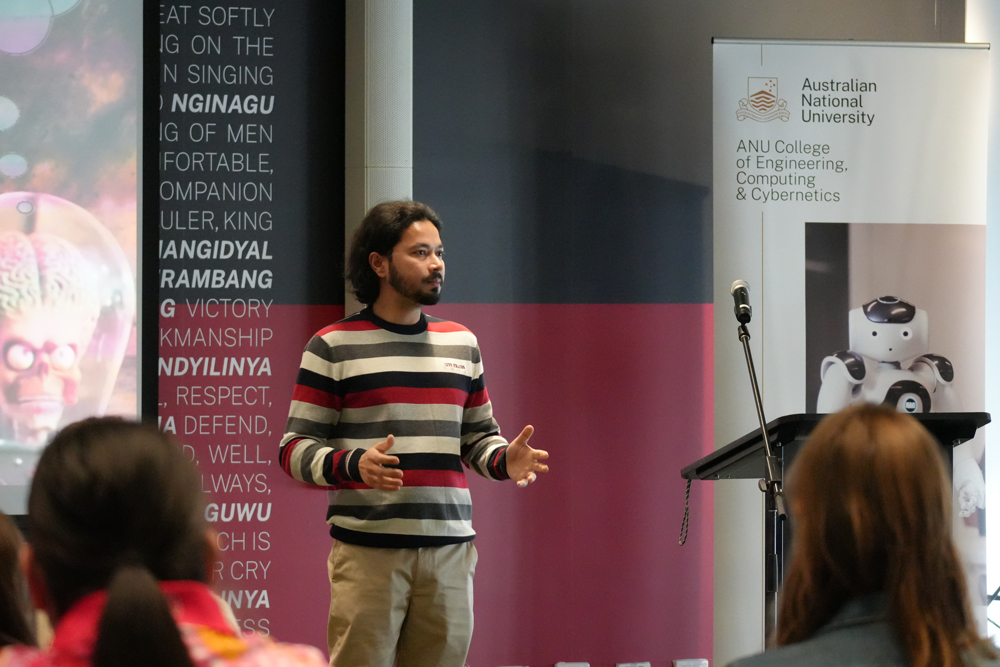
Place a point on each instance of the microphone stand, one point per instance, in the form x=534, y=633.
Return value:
x=774, y=503
x=771, y=483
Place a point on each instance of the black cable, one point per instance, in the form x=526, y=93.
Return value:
x=687, y=514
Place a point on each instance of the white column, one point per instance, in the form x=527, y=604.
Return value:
x=378, y=109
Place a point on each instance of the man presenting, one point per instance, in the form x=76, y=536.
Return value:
x=388, y=405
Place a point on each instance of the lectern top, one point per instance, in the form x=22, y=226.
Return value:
x=744, y=458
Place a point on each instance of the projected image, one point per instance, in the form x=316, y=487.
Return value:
x=70, y=107
x=67, y=308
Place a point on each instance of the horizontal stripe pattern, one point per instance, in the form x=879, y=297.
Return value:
x=345, y=353
x=395, y=541
x=439, y=407
x=408, y=494
x=420, y=478
x=380, y=430
x=406, y=395
x=386, y=512
x=363, y=379
x=410, y=379
x=452, y=528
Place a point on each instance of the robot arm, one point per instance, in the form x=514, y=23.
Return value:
x=841, y=374
x=942, y=369
x=938, y=373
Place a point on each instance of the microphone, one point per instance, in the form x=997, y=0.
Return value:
x=741, y=296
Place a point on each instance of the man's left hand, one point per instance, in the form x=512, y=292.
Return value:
x=523, y=461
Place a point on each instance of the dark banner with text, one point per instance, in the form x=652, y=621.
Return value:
x=250, y=251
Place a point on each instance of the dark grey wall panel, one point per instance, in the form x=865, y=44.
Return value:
x=567, y=143
x=578, y=231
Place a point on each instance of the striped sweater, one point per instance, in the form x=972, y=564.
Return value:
x=363, y=379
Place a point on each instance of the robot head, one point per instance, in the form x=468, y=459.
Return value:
x=67, y=312
x=48, y=311
x=888, y=329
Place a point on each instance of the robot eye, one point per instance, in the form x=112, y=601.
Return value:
x=63, y=358
x=905, y=334
x=19, y=357
x=874, y=333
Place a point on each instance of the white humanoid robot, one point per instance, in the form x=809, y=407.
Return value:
x=888, y=363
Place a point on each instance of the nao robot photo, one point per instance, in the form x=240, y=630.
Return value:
x=889, y=362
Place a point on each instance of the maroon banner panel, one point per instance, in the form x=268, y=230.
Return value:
x=584, y=564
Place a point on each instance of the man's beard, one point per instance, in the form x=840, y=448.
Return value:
x=415, y=293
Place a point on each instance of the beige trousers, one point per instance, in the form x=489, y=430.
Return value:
x=411, y=605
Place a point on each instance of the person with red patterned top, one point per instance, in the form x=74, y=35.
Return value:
x=388, y=407
x=118, y=557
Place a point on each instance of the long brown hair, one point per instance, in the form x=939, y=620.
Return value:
x=871, y=509
x=115, y=506
x=16, y=614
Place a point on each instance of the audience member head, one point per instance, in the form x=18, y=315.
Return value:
x=380, y=231
x=16, y=626
x=115, y=506
x=870, y=502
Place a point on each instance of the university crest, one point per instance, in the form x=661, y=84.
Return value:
x=761, y=103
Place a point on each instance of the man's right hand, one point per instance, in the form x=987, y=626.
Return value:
x=373, y=470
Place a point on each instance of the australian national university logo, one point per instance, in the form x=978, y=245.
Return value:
x=761, y=103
